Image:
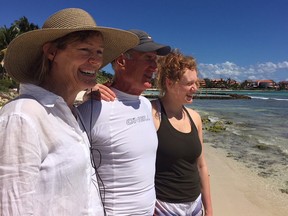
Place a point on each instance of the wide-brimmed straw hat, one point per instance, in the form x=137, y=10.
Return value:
x=25, y=49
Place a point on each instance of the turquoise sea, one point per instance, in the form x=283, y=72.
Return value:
x=256, y=131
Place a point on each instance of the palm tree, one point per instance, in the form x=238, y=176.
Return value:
x=8, y=34
x=23, y=25
x=18, y=27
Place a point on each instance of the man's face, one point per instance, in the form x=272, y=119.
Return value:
x=139, y=69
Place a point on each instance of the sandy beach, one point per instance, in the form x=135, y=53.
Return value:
x=237, y=191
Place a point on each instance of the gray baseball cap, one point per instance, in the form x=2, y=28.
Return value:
x=146, y=44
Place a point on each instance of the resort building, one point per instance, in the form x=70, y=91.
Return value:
x=267, y=84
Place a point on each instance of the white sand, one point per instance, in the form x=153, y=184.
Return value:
x=237, y=191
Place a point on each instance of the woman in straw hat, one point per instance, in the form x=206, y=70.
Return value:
x=45, y=159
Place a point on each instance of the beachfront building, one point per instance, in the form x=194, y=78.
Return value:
x=259, y=84
x=267, y=84
x=283, y=85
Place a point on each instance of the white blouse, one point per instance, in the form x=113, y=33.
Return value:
x=45, y=166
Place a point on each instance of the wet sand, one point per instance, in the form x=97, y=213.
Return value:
x=237, y=191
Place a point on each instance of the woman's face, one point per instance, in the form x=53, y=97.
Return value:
x=186, y=87
x=74, y=68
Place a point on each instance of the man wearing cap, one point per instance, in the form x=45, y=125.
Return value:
x=122, y=132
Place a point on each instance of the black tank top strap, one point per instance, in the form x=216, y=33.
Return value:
x=190, y=118
x=162, y=107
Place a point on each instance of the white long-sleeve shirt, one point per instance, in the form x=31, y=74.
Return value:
x=124, y=139
x=45, y=166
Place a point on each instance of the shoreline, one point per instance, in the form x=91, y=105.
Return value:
x=237, y=191
x=215, y=96
x=203, y=94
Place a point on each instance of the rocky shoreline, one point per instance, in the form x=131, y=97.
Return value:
x=7, y=96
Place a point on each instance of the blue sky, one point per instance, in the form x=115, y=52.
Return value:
x=237, y=39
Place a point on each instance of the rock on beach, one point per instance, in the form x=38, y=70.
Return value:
x=7, y=96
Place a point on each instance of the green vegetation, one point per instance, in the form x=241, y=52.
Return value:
x=6, y=84
x=205, y=120
x=246, y=84
x=7, y=34
x=217, y=126
x=103, y=77
x=2, y=103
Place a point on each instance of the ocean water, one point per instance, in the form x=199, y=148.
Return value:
x=256, y=131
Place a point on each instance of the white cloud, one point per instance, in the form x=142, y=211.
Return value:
x=283, y=65
x=267, y=67
x=266, y=70
x=252, y=78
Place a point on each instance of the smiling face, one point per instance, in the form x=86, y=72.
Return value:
x=74, y=67
x=137, y=71
x=177, y=77
x=183, y=90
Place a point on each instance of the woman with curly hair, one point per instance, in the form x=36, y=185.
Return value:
x=181, y=179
